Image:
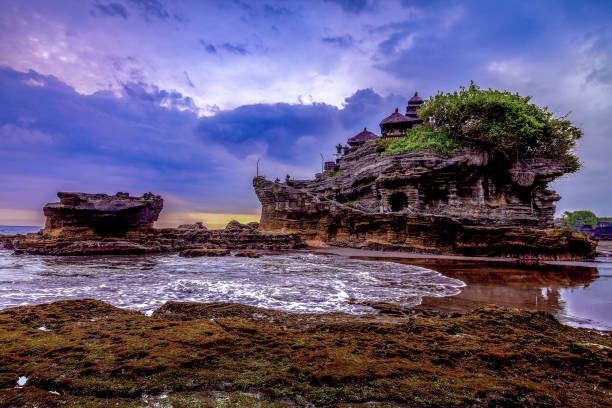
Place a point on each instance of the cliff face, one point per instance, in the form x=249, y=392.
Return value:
x=465, y=204
x=469, y=186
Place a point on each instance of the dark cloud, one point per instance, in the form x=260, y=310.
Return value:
x=150, y=93
x=152, y=139
x=244, y=5
x=280, y=127
x=366, y=108
x=343, y=41
x=274, y=126
x=112, y=10
x=91, y=142
x=188, y=80
x=351, y=6
x=276, y=11
x=234, y=48
x=152, y=8
x=228, y=47
x=211, y=49
x=601, y=75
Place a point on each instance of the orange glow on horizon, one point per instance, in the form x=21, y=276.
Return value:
x=168, y=219
x=211, y=220
x=9, y=216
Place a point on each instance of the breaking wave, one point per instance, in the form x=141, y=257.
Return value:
x=295, y=282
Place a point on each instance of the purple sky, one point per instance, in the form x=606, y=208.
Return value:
x=182, y=97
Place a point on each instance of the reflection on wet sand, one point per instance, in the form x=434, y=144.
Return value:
x=502, y=284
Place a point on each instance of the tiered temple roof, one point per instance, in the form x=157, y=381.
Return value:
x=396, y=123
x=361, y=138
x=411, y=110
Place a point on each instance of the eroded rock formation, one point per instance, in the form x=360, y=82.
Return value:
x=88, y=224
x=464, y=204
x=98, y=216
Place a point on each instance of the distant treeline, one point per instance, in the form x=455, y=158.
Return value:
x=586, y=222
x=577, y=219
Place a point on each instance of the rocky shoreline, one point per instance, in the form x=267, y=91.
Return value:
x=89, y=353
x=467, y=204
x=99, y=224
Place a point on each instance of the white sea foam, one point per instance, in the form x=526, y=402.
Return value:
x=298, y=282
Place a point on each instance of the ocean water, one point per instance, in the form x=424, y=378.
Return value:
x=578, y=294
x=12, y=229
x=296, y=282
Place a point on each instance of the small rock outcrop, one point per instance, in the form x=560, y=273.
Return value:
x=464, y=204
x=84, y=224
x=99, y=216
x=602, y=231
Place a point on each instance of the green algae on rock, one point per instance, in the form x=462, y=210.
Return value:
x=186, y=354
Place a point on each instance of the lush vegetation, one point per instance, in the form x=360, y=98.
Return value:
x=576, y=219
x=420, y=138
x=499, y=121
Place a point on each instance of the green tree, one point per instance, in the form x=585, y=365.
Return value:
x=500, y=122
x=576, y=219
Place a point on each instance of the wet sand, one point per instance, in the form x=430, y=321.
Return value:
x=605, y=247
x=578, y=293
x=354, y=252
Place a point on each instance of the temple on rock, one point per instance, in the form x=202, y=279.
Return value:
x=469, y=202
x=361, y=137
x=396, y=124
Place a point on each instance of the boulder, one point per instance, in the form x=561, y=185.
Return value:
x=234, y=225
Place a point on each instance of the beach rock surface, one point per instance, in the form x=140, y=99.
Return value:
x=198, y=354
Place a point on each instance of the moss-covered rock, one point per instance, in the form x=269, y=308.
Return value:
x=88, y=353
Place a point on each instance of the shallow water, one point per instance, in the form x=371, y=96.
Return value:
x=296, y=282
x=579, y=294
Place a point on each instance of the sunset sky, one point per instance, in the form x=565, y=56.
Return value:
x=182, y=97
